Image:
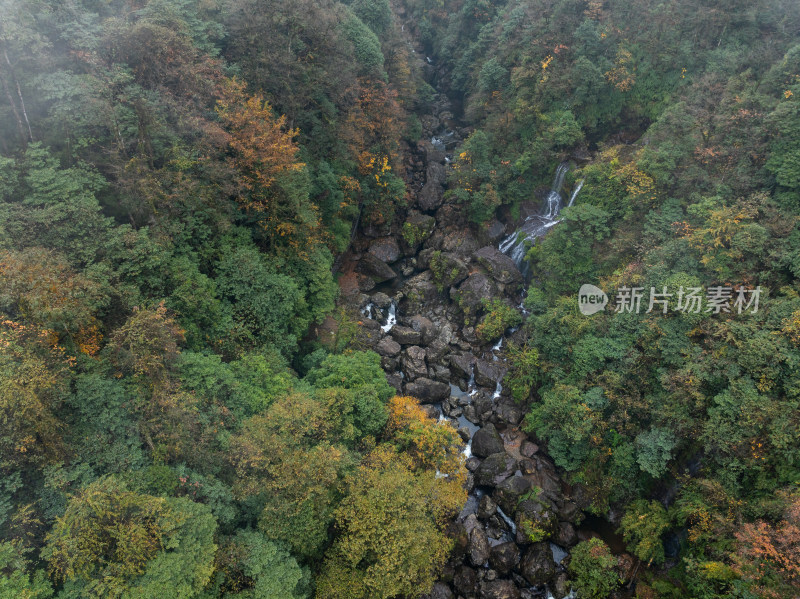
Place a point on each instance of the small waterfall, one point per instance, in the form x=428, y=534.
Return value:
x=369, y=310
x=391, y=318
x=507, y=520
x=575, y=192
x=498, y=390
x=537, y=225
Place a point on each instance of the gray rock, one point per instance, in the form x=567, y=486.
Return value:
x=478, y=547
x=448, y=269
x=504, y=557
x=471, y=293
x=375, y=269
x=466, y=581
x=495, y=469
x=424, y=326
x=499, y=589
x=405, y=335
x=495, y=230
x=486, y=507
x=385, y=249
x=508, y=493
x=528, y=449
x=566, y=535
x=461, y=364
x=437, y=350
x=427, y=391
x=388, y=347
x=418, y=293
x=537, y=565
x=417, y=228
x=430, y=197
x=413, y=363
x=499, y=266
x=488, y=374
x=487, y=441
x=508, y=412
x=441, y=591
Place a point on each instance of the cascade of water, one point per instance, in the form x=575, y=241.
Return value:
x=537, y=225
x=507, y=520
x=391, y=318
x=575, y=192
x=368, y=310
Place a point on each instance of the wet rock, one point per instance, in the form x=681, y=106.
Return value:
x=388, y=347
x=488, y=374
x=478, y=546
x=436, y=173
x=424, y=326
x=561, y=585
x=565, y=535
x=461, y=364
x=499, y=589
x=486, y=507
x=499, y=266
x=405, y=335
x=569, y=511
x=537, y=565
x=464, y=433
x=504, y=557
x=385, y=249
x=389, y=364
x=413, y=363
x=472, y=463
x=507, y=494
x=495, y=469
x=427, y=149
x=427, y=390
x=487, y=441
x=375, y=269
x=482, y=405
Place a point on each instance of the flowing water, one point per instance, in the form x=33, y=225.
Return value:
x=537, y=225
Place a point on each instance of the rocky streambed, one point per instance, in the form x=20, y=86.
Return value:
x=420, y=286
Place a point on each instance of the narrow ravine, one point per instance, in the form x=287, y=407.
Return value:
x=420, y=287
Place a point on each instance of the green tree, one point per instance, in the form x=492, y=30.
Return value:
x=591, y=569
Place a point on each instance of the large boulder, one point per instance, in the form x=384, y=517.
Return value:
x=440, y=591
x=466, y=581
x=537, y=565
x=418, y=293
x=461, y=364
x=471, y=294
x=424, y=326
x=448, y=270
x=508, y=493
x=405, y=335
x=413, y=363
x=427, y=390
x=487, y=441
x=488, y=374
x=504, y=558
x=388, y=347
x=385, y=249
x=499, y=266
x=478, y=546
x=430, y=197
x=535, y=519
x=374, y=268
x=499, y=589
x=417, y=228
x=459, y=241
x=495, y=469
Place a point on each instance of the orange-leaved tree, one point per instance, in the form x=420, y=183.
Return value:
x=270, y=183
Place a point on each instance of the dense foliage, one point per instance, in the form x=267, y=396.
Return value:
x=690, y=113
x=176, y=179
